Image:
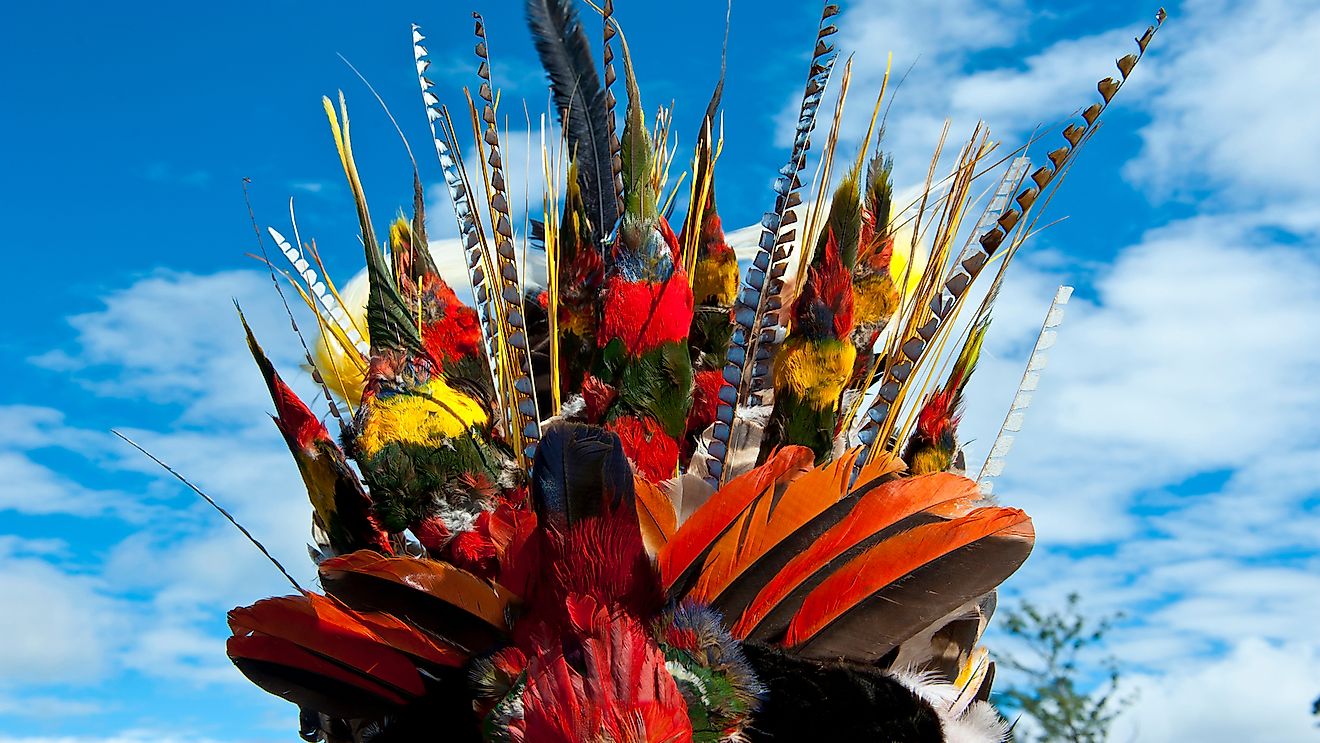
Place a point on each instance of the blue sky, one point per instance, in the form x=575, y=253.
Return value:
x=1170, y=458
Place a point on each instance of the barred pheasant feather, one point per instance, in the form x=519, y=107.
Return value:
x=732, y=508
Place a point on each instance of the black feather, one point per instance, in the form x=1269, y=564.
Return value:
x=577, y=470
x=834, y=700
x=584, y=113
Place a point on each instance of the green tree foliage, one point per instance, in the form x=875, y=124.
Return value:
x=1066, y=684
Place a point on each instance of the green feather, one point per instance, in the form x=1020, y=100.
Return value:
x=640, y=209
x=880, y=191
x=390, y=321
x=845, y=221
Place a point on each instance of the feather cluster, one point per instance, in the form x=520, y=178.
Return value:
x=664, y=499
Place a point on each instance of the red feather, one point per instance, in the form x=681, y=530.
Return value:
x=644, y=315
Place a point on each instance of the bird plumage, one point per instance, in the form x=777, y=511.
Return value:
x=741, y=522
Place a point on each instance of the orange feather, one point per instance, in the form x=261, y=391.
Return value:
x=695, y=538
x=655, y=514
x=488, y=602
x=326, y=626
x=877, y=510
x=896, y=558
x=769, y=521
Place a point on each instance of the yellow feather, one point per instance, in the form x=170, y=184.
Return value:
x=816, y=370
x=427, y=416
x=715, y=280
x=339, y=363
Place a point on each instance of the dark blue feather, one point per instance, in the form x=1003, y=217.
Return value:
x=582, y=104
x=578, y=470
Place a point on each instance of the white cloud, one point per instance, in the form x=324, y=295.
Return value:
x=156, y=339
x=170, y=339
x=956, y=52
x=59, y=626
x=1260, y=692
x=33, y=487
x=1192, y=357
x=1234, y=106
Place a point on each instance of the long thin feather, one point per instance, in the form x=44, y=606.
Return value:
x=527, y=430
x=459, y=189
x=901, y=364
x=757, y=314
x=994, y=461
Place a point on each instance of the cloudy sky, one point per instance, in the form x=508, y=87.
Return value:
x=1170, y=459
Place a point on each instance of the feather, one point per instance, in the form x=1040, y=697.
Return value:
x=755, y=313
x=994, y=461
x=770, y=532
x=908, y=353
x=580, y=471
x=368, y=641
x=946, y=645
x=687, y=493
x=286, y=670
x=389, y=320
x=655, y=515
x=897, y=588
x=608, y=32
x=456, y=605
x=479, y=266
x=933, y=446
x=883, y=511
x=682, y=556
x=328, y=304
x=525, y=430
x=584, y=111
x=844, y=225
x=342, y=507
x=637, y=155
x=835, y=701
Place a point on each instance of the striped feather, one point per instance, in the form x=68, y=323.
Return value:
x=994, y=461
x=897, y=588
x=479, y=265
x=901, y=363
x=329, y=306
x=757, y=312
x=526, y=430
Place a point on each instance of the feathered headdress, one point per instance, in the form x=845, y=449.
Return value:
x=644, y=504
